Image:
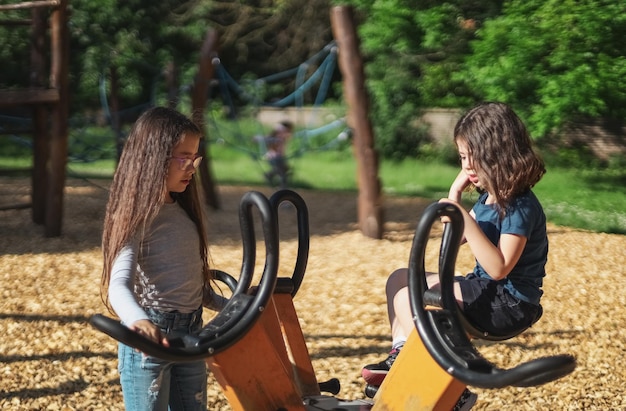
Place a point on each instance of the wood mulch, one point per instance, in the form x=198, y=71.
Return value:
x=50, y=358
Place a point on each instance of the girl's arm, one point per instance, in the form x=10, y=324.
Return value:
x=123, y=299
x=498, y=261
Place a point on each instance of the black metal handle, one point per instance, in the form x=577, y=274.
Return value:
x=302, y=217
x=239, y=313
x=443, y=331
x=226, y=278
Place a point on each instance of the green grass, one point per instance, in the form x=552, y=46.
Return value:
x=591, y=199
x=587, y=199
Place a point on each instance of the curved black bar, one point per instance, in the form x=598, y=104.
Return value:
x=302, y=216
x=125, y=335
x=226, y=278
x=246, y=224
x=242, y=309
x=442, y=331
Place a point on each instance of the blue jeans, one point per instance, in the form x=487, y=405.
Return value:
x=150, y=383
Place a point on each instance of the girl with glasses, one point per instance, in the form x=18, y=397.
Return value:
x=156, y=276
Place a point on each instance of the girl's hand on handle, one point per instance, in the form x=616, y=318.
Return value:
x=149, y=330
x=446, y=219
x=467, y=217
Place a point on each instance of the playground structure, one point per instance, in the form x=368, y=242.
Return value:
x=49, y=103
x=370, y=208
x=309, y=125
x=257, y=351
x=310, y=121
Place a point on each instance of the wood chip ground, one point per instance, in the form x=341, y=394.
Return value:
x=51, y=359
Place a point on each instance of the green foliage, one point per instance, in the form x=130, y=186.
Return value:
x=15, y=49
x=14, y=59
x=555, y=60
x=390, y=44
x=577, y=156
x=91, y=143
x=445, y=154
x=16, y=146
x=414, y=52
x=133, y=41
x=583, y=197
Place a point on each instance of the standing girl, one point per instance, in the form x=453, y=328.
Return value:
x=506, y=231
x=156, y=276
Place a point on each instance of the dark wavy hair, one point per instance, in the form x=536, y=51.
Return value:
x=501, y=151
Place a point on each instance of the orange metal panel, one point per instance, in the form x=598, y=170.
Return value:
x=417, y=383
x=296, y=345
x=252, y=372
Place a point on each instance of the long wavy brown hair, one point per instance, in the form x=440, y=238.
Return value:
x=501, y=151
x=139, y=184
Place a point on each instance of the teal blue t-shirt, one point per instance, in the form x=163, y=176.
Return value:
x=525, y=217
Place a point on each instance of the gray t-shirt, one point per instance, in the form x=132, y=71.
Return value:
x=162, y=272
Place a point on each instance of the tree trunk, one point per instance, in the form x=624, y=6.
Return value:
x=370, y=210
x=199, y=93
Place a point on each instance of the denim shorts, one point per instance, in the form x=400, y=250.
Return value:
x=491, y=307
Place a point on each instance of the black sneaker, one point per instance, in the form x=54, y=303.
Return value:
x=466, y=401
x=374, y=374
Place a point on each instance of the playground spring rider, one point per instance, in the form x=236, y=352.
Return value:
x=257, y=352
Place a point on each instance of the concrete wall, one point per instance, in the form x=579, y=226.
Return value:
x=305, y=117
x=440, y=123
x=604, y=140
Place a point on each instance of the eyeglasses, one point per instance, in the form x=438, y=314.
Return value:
x=185, y=162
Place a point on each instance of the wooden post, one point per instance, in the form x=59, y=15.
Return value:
x=206, y=71
x=370, y=210
x=49, y=102
x=57, y=160
x=40, y=116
